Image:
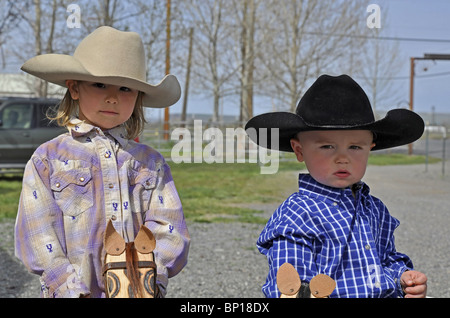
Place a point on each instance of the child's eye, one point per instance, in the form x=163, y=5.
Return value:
x=125, y=89
x=99, y=85
x=326, y=147
x=354, y=147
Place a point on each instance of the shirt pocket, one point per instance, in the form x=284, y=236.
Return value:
x=72, y=190
x=142, y=184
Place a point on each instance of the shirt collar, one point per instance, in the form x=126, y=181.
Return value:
x=309, y=186
x=119, y=134
x=78, y=128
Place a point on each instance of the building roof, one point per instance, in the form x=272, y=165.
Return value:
x=22, y=85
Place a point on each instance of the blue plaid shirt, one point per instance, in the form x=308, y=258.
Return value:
x=325, y=230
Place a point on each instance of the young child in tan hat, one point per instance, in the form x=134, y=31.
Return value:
x=333, y=226
x=76, y=183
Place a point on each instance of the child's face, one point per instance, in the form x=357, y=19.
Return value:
x=334, y=158
x=105, y=106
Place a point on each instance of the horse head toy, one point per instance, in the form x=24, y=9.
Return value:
x=129, y=269
x=290, y=285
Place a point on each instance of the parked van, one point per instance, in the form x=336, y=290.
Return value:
x=23, y=127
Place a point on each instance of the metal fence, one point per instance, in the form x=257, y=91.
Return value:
x=435, y=139
x=224, y=139
x=433, y=143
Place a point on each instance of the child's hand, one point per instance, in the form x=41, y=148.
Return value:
x=414, y=284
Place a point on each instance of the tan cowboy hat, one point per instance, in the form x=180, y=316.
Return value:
x=107, y=56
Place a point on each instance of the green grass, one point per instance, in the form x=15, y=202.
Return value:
x=10, y=186
x=211, y=192
x=398, y=159
x=220, y=192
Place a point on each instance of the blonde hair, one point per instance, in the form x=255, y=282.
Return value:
x=69, y=108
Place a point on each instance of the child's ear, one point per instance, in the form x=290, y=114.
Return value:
x=298, y=150
x=73, y=89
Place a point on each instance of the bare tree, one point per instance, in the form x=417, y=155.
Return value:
x=41, y=18
x=151, y=25
x=214, y=63
x=9, y=17
x=247, y=23
x=310, y=37
x=241, y=49
x=380, y=62
x=114, y=13
x=46, y=19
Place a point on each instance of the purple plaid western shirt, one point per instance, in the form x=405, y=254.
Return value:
x=72, y=186
x=325, y=230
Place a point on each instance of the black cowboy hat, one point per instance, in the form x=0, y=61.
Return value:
x=336, y=103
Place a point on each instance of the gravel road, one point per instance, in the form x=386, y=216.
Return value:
x=224, y=261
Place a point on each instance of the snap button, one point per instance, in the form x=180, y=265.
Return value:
x=367, y=247
x=81, y=179
x=111, y=185
x=107, y=155
x=114, y=218
x=57, y=185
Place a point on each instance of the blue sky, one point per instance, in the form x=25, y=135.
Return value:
x=422, y=19
x=404, y=19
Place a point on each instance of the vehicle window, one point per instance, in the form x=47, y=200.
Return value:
x=42, y=119
x=16, y=116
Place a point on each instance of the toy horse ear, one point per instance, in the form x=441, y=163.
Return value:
x=322, y=286
x=288, y=281
x=144, y=241
x=113, y=242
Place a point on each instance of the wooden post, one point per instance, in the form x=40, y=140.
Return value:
x=166, y=110
x=411, y=96
x=188, y=75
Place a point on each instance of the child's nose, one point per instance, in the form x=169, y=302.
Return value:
x=111, y=97
x=341, y=157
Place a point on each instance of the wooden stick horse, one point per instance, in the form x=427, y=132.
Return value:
x=290, y=286
x=129, y=269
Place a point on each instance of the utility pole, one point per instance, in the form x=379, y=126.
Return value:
x=166, y=110
x=432, y=57
x=411, y=95
x=188, y=75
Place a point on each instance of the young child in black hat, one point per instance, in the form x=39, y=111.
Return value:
x=332, y=225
